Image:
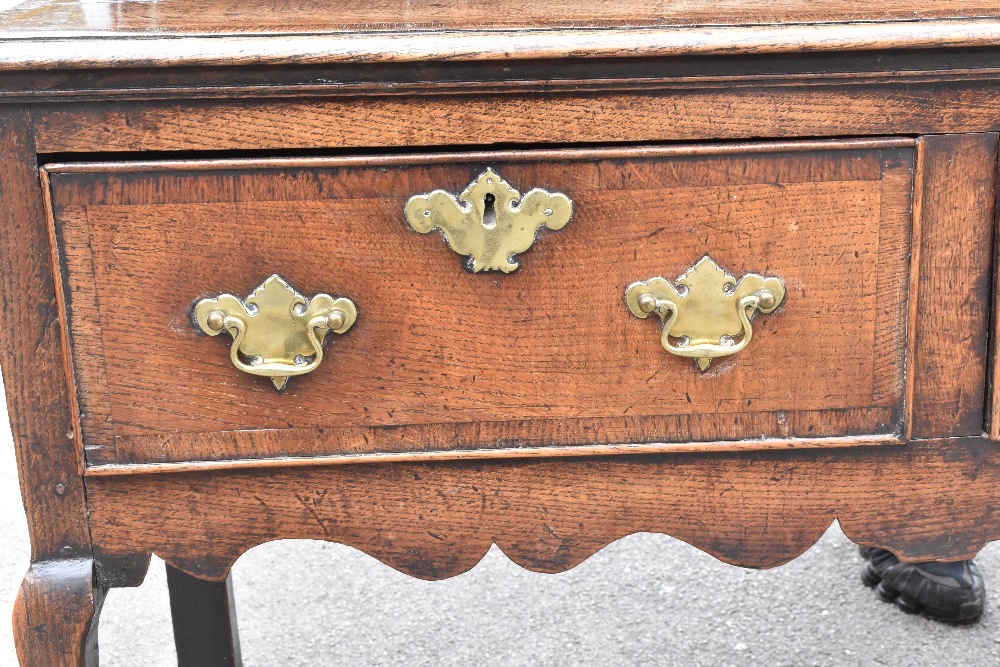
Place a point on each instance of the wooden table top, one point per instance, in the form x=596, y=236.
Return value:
x=185, y=17
x=83, y=34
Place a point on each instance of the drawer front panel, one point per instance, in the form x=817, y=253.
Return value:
x=441, y=358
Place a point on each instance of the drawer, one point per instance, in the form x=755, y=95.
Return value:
x=545, y=359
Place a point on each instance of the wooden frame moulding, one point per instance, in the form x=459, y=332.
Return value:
x=94, y=51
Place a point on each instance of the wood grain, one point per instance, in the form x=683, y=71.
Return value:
x=87, y=48
x=56, y=613
x=956, y=191
x=925, y=501
x=442, y=359
x=993, y=374
x=521, y=119
x=678, y=74
x=306, y=16
x=39, y=401
x=86, y=52
x=495, y=440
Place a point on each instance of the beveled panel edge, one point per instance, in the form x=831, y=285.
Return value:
x=159, y=447
x=58, y=280
x=83, y=50
x=895, y=244
x=536, y=155
x=111, y=470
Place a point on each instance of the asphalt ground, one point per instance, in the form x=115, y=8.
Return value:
x=644, y=600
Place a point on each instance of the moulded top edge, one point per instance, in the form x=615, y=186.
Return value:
x=20, y=50
x=327, y=16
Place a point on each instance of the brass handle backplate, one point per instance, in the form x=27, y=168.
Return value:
x=277, y=332
x=490, y=222
x=709, y=313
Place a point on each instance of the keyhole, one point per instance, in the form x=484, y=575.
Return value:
x=489, y=211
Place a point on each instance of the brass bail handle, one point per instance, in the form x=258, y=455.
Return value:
x=708, y=314
x=277, y=332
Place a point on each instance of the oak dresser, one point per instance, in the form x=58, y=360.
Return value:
x=422, y=278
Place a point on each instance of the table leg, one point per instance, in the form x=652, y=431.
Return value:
x=204, y=618
x=56, y=615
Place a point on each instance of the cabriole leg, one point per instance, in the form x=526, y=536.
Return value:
x=56, y=615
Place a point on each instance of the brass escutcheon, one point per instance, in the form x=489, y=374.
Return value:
x=708, y=310
x=490, y=222
x=277, y=332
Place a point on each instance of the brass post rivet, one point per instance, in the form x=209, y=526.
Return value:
x=66, y=550
x=60, y=489
x=766, y=299
x=335, y=320
x=647, y=303
x=216, y=320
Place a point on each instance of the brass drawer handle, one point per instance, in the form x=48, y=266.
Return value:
x=707, y=311
x=277, y=332
x=490, y=222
